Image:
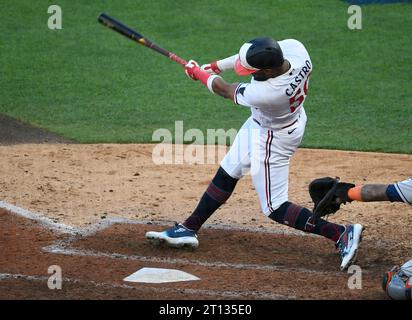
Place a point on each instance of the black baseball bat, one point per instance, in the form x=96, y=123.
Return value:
x=137, y=37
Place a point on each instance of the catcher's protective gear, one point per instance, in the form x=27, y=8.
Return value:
x=328, y=194
x=397, y=282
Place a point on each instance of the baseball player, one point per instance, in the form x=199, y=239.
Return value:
x=328, y=193
x=265, y=143
x=397, y=283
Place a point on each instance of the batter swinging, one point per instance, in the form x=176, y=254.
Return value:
x=265, y=143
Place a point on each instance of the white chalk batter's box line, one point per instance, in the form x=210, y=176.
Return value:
x=58, y=249
x=191, y=292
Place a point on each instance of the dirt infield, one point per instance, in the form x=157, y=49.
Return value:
x=248, y=264
x=242, y=254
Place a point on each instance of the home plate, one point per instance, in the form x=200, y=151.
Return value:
x=159, y=275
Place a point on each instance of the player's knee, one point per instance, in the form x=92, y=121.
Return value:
x=234, y=172
x=224, y=181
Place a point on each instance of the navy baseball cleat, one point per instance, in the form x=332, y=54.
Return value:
x=178, y=237
x=348, y=244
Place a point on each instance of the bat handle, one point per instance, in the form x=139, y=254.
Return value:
x=177, y=59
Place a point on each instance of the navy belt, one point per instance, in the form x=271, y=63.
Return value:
x=289, y=125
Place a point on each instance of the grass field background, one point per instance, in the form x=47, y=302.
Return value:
x=92, y=85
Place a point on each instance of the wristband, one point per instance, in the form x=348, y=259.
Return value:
x=215, y=68
x=210, y=82
x=205, y=78
x=201, y=75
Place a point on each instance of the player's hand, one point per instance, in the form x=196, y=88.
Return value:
x=211, y=68
x=190, y=69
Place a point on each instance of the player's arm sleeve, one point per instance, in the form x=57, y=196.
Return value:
x=247, y=95
x=227, y=63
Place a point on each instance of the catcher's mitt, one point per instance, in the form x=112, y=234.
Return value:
x=328, y=194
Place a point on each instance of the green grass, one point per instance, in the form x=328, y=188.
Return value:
x=92, y=85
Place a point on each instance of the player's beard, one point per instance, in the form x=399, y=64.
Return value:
x=260, y=76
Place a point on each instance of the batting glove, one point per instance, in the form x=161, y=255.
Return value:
x=211, y=68
x=190, y=69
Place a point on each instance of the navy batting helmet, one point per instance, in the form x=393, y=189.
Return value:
x=257, y=54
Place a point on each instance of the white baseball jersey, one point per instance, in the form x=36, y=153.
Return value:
x=404, y=189
x=270, y=137
x=278, y=101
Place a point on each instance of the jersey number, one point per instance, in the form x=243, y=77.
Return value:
x=299, y=97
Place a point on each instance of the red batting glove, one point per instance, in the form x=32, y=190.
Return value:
x=194, y=72
x=190, y=69
x=211, y=68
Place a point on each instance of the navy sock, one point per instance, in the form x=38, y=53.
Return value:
x=218, y=191
x=303, y=219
